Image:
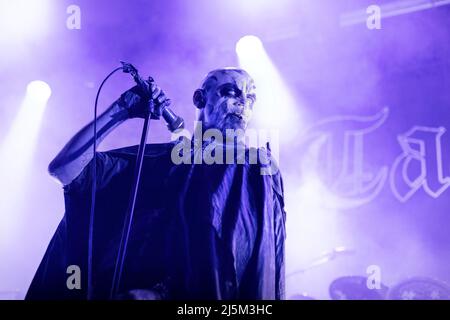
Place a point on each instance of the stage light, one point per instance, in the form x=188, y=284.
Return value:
x=275, y=108
x=391, y=9
x=17, y=154
x=248, y=45
x=39, y=90
x=22, y=20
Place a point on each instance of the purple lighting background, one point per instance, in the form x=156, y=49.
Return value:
x=356, y=91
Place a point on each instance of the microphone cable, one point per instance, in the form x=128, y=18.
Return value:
x=94, y=191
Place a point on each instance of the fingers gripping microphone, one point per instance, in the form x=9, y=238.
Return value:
x=173, y=121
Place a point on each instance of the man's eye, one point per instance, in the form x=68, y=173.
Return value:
x=252, y=98
x=228, y=92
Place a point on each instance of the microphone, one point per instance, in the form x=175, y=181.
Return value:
x=173, y=121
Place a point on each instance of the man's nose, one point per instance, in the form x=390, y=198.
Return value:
x=239, y=106
x=241, y=101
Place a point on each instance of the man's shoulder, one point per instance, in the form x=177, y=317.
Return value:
x=151, y=150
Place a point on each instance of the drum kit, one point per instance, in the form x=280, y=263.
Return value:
x=356, y=288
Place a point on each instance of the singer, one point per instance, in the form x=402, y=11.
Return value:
x=200, y=231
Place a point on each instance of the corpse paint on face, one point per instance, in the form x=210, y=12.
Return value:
x=230, y=95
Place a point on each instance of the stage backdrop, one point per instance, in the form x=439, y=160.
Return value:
x=363, y=117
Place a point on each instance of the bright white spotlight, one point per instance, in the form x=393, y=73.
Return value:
x=39, y=90
x=23, y=20
x=248, y=45
x=17, y=153
x=276, y=108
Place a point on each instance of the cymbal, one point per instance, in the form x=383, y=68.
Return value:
x=420, y=288
x=355, y=288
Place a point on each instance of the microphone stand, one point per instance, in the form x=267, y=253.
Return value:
x=118, y=270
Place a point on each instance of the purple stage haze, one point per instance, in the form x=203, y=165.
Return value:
x=366, y=167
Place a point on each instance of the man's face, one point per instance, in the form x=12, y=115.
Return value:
x=230, y=95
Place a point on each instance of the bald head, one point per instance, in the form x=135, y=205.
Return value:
x=226, y=99
x=218, y=76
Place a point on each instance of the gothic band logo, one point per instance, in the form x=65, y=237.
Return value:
x=340, y=149
x=420, y=166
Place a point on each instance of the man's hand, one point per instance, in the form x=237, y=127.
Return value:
x=137, y=104
x=77, y=153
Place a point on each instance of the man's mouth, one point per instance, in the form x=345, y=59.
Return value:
x=235, y=115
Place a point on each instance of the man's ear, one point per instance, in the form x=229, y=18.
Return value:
x=199, y=98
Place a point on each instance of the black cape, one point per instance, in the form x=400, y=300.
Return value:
x=199, y=231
